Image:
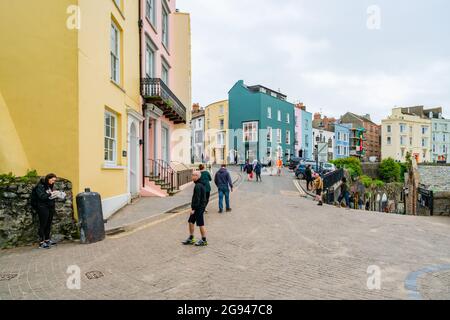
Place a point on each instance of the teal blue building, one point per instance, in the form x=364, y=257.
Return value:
x=261, y=123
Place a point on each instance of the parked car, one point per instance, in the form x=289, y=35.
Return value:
x=329, y=167
x=300, y=170
x=322, y=170
x=294, y=162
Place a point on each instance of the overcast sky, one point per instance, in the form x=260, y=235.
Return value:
x=323, y=53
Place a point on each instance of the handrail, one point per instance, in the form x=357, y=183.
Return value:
x=332, y=178
x=167, y=176
x=177, y=162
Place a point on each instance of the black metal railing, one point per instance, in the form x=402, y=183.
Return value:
x=183, y=173
x=331, y=178
x=162, y=175
x=156, y=89
x=168, y=178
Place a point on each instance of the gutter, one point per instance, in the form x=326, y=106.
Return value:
x=144, y=107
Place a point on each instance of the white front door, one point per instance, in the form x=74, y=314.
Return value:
x=165, y=144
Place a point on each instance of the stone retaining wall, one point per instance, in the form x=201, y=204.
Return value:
x=370, y=169
x=441, y=204
x=18, y=221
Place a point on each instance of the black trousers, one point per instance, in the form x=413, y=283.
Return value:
x=208, y=194
x=45, y=214
x=258, y=177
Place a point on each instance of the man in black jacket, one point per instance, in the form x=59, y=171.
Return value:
x=308, y=177
x=198, y=206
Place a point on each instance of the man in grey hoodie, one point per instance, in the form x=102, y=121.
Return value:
x=224, y=184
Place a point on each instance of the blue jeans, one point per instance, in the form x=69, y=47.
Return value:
x=226, y=193
x=345, y=196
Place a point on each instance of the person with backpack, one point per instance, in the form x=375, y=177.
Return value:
x=43, y=201
x=257, y=167
x=222, y=179
x=205, y=178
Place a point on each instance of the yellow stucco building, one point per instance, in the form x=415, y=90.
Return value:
x=216, y=133
x=181, y=83
x=69, y=93
x=403, y=132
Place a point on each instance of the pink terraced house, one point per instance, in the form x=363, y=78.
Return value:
x=165, y=92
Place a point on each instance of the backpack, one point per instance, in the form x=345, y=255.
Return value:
x=34, y=197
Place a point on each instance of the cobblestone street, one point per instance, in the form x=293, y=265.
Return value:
x=273, y=245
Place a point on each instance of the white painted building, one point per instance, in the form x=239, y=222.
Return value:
x=324, y=136
x=198, y=135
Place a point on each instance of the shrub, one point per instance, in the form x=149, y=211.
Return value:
x=10, y=178
x=366, y=181
x=389, y=170
x=352, y=164
x=378, y=183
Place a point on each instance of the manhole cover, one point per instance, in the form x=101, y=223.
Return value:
x=7, y=276
x=94, y=275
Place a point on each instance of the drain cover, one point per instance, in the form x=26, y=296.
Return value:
x=7, y=276
x=94, y=275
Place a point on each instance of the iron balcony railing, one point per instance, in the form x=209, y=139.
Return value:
x=155, y=90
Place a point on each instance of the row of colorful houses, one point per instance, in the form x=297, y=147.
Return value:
x=257, y=122
x=96, y=92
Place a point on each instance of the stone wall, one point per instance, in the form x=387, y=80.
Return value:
x=441, y=204
x=18, y=221
x=370, y=169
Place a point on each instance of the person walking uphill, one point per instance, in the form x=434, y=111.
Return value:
x=279, y=166
x=205, y=178
x=249, y=170
x=345, y=194
x=198, y=205
x=257, y=167
x=222, y=179
x=43, y=201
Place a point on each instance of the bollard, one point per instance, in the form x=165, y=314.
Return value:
x=90, y=213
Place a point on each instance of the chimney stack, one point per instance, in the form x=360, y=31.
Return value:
x=195, y=107
x=301, y=106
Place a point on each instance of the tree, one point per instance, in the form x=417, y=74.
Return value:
x=389, y=170
x=353, y=165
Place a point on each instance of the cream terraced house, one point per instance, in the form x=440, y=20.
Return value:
x=216, y=133
x=406, y=130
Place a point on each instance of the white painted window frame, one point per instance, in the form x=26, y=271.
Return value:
x=115, y=56
x=109, y=162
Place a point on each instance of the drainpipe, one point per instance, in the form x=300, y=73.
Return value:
x=144, y=106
